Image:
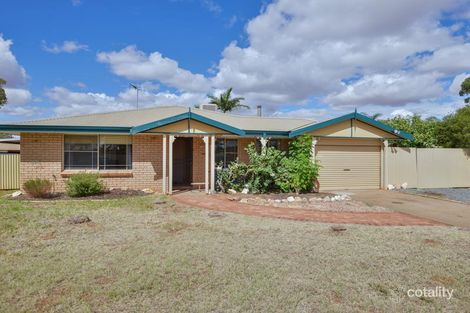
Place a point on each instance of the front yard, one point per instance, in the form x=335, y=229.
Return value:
x=137, y=256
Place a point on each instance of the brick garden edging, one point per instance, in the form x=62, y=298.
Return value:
x=219, y=203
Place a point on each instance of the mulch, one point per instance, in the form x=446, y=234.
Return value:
x=111, y=194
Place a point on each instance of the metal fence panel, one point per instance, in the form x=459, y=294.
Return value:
x=9, y=171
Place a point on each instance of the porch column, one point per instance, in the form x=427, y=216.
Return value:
x=206, y=163
x=164, y=178
x=385, y=169
x=264, y=143
x=313, y=151
x=170, y=165
x=212, y=164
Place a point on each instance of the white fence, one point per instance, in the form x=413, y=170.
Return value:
x=429, y=168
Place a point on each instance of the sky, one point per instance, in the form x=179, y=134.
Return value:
x=298, y=58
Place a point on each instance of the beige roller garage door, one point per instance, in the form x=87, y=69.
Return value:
x=349, y=167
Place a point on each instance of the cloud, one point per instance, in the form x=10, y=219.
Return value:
x=75, y=103
x=455, y=87
x=364, y=53
x=66, y=47
x=10, y=70
x=449, y=60
x=15, y=75
x=18, y=96
x=387, y=89
x=76, y=3
x=212, y=6
x=135, y=64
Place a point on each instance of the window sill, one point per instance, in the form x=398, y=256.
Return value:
x=101, y=173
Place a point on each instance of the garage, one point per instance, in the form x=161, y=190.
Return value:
x=349, y=166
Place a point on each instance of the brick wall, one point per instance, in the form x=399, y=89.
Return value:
x=42, y=157
x=199, y=154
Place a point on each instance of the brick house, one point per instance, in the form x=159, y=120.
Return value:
x=166, y=148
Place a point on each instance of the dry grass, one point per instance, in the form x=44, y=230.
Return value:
x=136, y=257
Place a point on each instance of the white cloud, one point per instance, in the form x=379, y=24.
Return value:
x=296, y=50
x=66, y=47
x=76, y=3
x=212, y=6
x=74, y=103
x=10, y=70
x=135, y=64
x=18, y=96
x=392, y=89
x=455, y=87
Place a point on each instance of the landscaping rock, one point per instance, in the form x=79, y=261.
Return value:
x=326, y=199
x=390, y=187
x=404, y=186
x=233, y=198
x=297, y=199
x=147, y=190
x=16, y=194
x=160, y=201
x=232, y=191
x=290, y=199
x=79, y=219
x=277, y=201
x=244, y=200
x=215, y=214
x=245, y=191
x=338, y=228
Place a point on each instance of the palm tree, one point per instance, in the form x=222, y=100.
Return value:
x=226, y=104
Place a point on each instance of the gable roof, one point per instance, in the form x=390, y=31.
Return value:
x=136, y=121
x=357, y=116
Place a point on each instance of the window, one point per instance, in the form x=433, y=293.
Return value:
x=275, y=143
x=226, y=151
x=80, y=152
x=93, y=152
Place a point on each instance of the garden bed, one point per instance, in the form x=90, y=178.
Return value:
x=313, y=201
x=109, y=194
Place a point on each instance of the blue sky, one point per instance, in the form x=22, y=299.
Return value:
x=293, y=57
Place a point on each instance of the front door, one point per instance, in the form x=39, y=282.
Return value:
x=182, y=161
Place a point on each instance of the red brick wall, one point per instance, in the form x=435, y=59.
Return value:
x=199, y=155
x=42, y=157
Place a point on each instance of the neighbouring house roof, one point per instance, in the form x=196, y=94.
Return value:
x=136, y=121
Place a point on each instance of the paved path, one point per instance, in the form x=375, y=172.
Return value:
x=220, y=203
x=444, y=211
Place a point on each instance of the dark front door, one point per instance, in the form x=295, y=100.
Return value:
x=182, y=161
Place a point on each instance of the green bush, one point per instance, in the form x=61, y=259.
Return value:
x=38, y=188
x=272, y=170
x=84, y=184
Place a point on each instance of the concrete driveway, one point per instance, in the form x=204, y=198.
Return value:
x=444, y=211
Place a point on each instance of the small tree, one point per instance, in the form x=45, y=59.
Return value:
x=454, y=131
x=225, y=103
x=423, y=130
x=465, y=89
x=3, y=95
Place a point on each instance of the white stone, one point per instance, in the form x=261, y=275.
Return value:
x=390, y=187
x=298, y=199
x=404, y=186
x=245, y=191
x=147, y=190
x=243, y=200
x=290, y=199
x=16, y=194
x=277, y=201
x=327, y=198
x=232, y=191
x=284, y=200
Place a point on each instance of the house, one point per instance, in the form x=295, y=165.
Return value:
x=163, y=148
x=10, y=145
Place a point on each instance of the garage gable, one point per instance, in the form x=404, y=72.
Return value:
x=188, y=126
x=353, y=125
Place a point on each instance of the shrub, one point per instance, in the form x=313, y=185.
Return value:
x=38, y=188
x=84, y=184
x=273, y=170
x=298, y=172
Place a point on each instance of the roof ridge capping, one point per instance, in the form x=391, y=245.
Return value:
x=358, y=116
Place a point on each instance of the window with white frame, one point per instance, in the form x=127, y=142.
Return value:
x=97, y=152
x=226, y=151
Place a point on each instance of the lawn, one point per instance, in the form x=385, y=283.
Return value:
x=136, y=256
